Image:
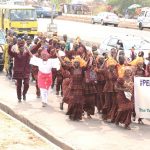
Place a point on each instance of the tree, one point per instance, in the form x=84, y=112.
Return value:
x=122, y=5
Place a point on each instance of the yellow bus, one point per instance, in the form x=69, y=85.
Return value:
x=22, y=19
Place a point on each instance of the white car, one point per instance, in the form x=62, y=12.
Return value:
x=106, y=18
x=143, y=20
x=125, y=43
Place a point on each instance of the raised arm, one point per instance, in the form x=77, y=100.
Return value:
x=11, y=52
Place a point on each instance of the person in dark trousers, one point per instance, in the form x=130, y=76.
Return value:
x=21, y=70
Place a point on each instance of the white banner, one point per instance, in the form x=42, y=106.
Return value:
x=142, y=96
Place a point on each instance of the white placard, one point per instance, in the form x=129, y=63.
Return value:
x=142, y=96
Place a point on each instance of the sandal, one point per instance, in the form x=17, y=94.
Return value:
x=127, y=127
x=140, y=121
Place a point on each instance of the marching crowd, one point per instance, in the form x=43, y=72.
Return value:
x=85, y=80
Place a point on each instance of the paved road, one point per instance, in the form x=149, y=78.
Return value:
x=89, y=32
x=93, y=134
x=16, y=136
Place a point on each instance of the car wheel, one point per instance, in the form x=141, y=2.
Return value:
x=115, y=25
x=102, y=22
x=42, y=16
x=92, y=21
x=140, y=26
x=1, y=68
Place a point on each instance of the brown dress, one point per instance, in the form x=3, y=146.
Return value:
x=125, y=106
x=90, y=96
x=100, y=97
x=75, y=94
x=110, y=104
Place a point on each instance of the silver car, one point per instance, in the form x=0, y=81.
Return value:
x=125, y=43
x=106, y=18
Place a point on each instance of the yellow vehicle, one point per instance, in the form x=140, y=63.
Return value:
x=22, y=19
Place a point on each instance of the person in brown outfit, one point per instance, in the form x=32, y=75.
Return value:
x=76, y=89
x=124, y=88
x=139, y=65
x=90, y=90
x=100, y=72
x=110, y=106
x=21, y=70
x=66, y=82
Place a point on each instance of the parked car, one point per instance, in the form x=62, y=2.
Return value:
x=125, y=43
x=144, y=19
x=2, y=43
x=106, y=18
x=45, y=12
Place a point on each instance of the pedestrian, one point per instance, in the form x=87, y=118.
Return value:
x=66, y=82
x=124, y=88
x=67, y=43
x=139, y=67
x=54, y=47
x=100, y=73
x=6, y=55
x=90, y=90
x=45, y=65
x=34, y=72
x=110, y=106
x=59, y=76
x=148, y=70
x=21, y=70
x=76, y=89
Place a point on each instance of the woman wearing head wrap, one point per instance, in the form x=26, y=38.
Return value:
x=124, y=88
x=45, y=65
x=100, y=73
x=90, y=80
x=111, y=75
x=138, y=63
x=76, y=89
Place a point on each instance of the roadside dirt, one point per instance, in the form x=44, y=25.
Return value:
x=15, y=136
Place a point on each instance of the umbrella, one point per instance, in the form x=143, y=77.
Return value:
x=134, y=6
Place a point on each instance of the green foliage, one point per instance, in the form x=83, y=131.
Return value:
x=124, y=4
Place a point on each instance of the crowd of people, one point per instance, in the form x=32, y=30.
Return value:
x=86, y=81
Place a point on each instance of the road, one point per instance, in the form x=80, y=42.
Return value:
x=89, y=32
x=16, y=136
x=88, y=134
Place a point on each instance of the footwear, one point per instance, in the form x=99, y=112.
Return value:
x=24, y=97
x=89, y=117
x=140, y=121
x=117, y=123
x=43, y=104
x=38, y=96
x=61, y=106
x=19, y=100
x=127, y=127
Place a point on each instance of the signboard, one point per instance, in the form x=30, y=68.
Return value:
x=142, y=96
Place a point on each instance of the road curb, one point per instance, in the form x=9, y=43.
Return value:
x=36, y=128
x=122, y=24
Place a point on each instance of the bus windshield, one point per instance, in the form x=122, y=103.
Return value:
x=22, y=14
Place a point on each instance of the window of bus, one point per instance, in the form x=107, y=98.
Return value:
x=22, y=14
